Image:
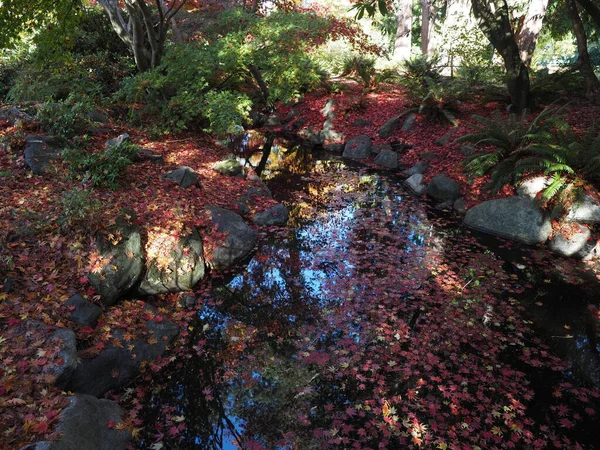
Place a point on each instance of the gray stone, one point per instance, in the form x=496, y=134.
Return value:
x=533, y=186
x=445, y=206
x=83, y=311
x=387, y=158
x=380, y=148
x=330, y=134
x=275, y=215
x=445, y=138
x=242, y=209
x=177, y=265
x=466, y=150
x=13, y=115
x=358, y=147
x=460, y=206
x=335, y=148
x=187, y=301
x=96, y=115
x=517, y=218
x=428, y=156
x=409, y=123
x=40, y=153
x=229, y=166
x=84, y=425
x=388, y=128
x=255, y=193
x=328, y=110
x=362, y=123
x=291, y=115
x=117, y=142
x=418, y=168
x=415, y=182
x=122, y=258
x=115, y=366
x=570, y=240
x=587, y=211
x=67, y=342
x=184, y=176
x=442, y=188
x=238, y=241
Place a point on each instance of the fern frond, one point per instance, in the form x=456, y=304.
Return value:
x=558, y=183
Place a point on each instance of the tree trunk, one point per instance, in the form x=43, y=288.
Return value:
x=426, y=26
x=494, y=20
x=530, y=31
x=402, y=43
x=585, y=66
x=593, y=9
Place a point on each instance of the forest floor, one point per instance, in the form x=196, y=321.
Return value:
x=44, y=261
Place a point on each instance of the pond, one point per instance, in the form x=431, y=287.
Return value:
x=374, y=320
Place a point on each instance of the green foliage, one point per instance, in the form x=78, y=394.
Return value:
x=79, y=209
x=67, y=118
x=101, y=169
x=211, y=82
x=545, y=145
x=549, y=86
x=439, y=105
x=419, y=74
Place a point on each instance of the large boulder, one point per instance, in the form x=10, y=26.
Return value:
x=388, y=128
x=517, y=218
x=13, y=115
x=571, y=240
x=531, y=187
x=586, y=211
x=358, y=147
x=66, y=341
x=88, y=423
x=174, y=264
x=119, y=362
x=40, y=153
x=234, y=239
x=184, y=176
x=83, y=312
x=443, y=188
x=387, y=158
x=409, y=123
x=119, y=261
x=419, y=168
x=275, y=215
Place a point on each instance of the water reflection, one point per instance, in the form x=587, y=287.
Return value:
x=292, y=351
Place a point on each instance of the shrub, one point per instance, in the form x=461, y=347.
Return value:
x=79, y=209
x=66, y=118
x=101, y=169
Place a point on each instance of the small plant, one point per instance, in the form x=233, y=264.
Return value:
x=103, y=168
x=80, y=210
x=66, y=118
x=419, y=75
x=439, y=106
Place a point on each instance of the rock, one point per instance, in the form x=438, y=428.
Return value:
x=328, y=110
x=120, y=263
x=570, y=240
x=387, y=158
x=13, y=115
x=329, y=134
x=291, y=115
x=40, y=153
x=145, y=154
x=362, y=123
x=242, y=209
x=533, y=186
x=409, y=123
x=415, y=182
x=296, y=125
x=460, y=206
x=84, y=425
x=238, y=241
x=255, y=193
x=275, y=215
x=316, y=138
x=334, y=148
x=388, y=128
x=587, y=211
x=273, y=121
x=83, y=311
x=517, y=218
x=428, y=156
x=445, y=206
x=229, y=166
x=418, y=168
x=115, y=366
x=358, y=147
x=184, y=176
x=445, y=138
x=377, y=149
x=65, y=338
x=96, y=115
x=400, y=147
x=442, y=188
x=117, y=142
x=174, y=264
x=187, y=301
